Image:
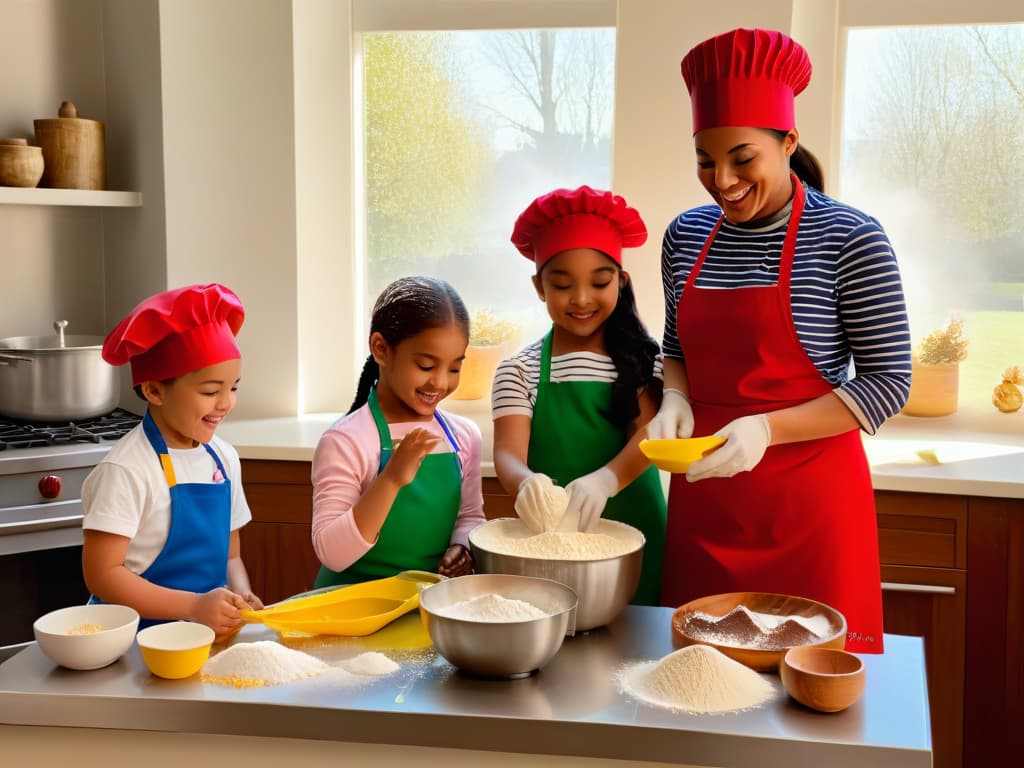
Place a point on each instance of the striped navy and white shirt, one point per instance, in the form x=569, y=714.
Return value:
x=515, y=383
x=846, y=294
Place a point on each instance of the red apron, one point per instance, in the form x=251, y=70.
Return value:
x=802, y=522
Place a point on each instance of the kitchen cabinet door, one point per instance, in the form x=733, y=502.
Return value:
x=277, y=546
x=931, y=603
x=994, y=705
x=497, y=503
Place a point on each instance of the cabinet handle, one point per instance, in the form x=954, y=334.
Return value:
x=931, y=589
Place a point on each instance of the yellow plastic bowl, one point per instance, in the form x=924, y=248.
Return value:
x=677, y=455
x=176, y=649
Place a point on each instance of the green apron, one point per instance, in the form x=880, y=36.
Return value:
x=571, y=437
x=418, y=528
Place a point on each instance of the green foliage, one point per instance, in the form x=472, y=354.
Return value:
x=424, y=159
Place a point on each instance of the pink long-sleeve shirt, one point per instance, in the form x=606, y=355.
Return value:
x=345, y=463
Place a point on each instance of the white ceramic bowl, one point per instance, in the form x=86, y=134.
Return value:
x=86, y=636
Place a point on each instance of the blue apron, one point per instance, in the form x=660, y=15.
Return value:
x=195, y=555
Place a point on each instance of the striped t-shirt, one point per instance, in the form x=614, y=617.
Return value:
x=846, y=294
x=515, y=383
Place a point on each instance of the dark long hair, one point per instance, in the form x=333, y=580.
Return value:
x=632, y=350
x=403, y=309
x=804, y=164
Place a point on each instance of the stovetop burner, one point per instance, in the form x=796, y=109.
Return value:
x=21, y=434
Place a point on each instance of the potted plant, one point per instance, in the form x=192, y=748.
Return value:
x=490, y=341
x=935, y=375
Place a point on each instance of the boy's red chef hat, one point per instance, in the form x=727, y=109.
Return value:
x=177, y=332
x=577, y=218
x=746, y=77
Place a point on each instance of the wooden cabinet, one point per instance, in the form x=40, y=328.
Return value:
x=277, y=546
x=994, y=703
x=922, y=541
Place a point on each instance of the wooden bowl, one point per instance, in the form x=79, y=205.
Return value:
x=763, y=659
x=825, y=679
x=20, y=164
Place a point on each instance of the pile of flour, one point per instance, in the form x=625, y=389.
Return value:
x=493, y=608
x=265, y=662
x=744, y=628
x=512, y=537
x=698, y=679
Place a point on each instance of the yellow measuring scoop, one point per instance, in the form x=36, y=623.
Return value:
x=352, y=611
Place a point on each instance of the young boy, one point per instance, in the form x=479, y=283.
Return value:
x=164, y=507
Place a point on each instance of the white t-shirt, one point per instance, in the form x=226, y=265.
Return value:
x=127, y=494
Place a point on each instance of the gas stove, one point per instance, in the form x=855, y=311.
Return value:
x=29, y=446
x=42, y=468
x=20, y=434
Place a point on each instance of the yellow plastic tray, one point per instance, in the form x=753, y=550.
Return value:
x=353, y=611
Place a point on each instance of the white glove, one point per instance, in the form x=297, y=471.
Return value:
x=588, y=496
x=540, y=503
x=674, y=418
x=746, y=440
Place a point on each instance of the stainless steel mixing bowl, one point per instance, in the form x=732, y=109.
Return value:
x=492, y=648
x=604, y=587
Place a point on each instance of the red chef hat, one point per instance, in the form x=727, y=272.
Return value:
x=747, y=77
x=577, y=218
x=177, y=332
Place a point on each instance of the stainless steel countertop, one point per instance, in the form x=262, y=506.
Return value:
x=574, y=706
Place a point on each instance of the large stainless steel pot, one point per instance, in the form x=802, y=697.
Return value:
x=55, y=378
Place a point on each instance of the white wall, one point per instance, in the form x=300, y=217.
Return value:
x=51, y=259
x=229, y=170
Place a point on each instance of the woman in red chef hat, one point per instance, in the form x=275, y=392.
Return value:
x=164, y=507
x=568, y=408
x=770, y=294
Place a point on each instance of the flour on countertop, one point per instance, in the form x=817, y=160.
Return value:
x=697, y=679
x=370, y=663
x=248, y=665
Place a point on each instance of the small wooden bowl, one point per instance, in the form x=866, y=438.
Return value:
x=825, y=679
x=21, y=165
x=763, y=660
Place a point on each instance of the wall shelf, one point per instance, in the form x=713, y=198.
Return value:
x=82, y=197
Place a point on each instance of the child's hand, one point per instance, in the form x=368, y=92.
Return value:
x=218, y=609
x=252, y=602
x=404, y=463
x=456, y=562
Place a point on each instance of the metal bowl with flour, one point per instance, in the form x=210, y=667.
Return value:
x=604, y=581
x=493, y=645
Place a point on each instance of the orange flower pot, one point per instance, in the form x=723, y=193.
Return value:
x=934, y=389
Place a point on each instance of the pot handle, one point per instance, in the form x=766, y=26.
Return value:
x=6, y=359
x=58, y=327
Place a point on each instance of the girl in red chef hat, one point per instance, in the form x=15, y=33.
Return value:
x=396, y=482
x=568, y=408
x=770, y=294
x=164, y=506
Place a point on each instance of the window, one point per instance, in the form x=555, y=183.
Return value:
x=461, y=130
x=933, y=147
